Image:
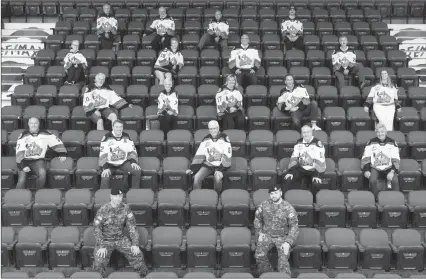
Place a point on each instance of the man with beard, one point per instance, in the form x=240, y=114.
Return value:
x=276, y=224
x=213, y=156
x=109, y=234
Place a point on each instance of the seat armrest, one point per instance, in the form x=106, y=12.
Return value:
x=360, y=247
x=12, y=245
x=46, y=245
x=78, y=246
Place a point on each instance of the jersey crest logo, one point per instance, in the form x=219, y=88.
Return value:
x=117, y=154
x=99, y=100
x=380, y=159
x=383, y=97
x=305, y=159
x=32, y=149
x=214, y=154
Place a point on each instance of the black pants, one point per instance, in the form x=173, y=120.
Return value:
x=209, y=38
x=39, y=168
x=126, y=168
x=302, y=179
x=157, y=45
x=233, y=120
x=298, y=44
x=107, y=43
x=340, y=76
x=378, y=181
x=167, y=123
x=312, y=110
x=75, y=74
x=245, y=78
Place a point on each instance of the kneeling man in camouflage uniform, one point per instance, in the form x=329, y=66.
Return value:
x=109, y=233
x=276, y=225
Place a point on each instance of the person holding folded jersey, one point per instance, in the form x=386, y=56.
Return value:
x=164, y=29
x=169, y=62
x=292, y=31
x=229, y=105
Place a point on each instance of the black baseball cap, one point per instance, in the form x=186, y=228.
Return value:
x=117, y=191
x=274, y=188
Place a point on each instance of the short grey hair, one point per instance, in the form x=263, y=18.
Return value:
x=381, y=126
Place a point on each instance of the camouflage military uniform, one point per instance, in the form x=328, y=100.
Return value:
x=279, y=224
x=108, y=229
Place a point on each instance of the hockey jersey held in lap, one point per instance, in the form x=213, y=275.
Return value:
x=381, y=155
x=167, y=59
x=292, y=98
x=383, y=95
x=34, y=146
x=74, y=58
x=106, y=24
x=168, y=102
x=292, y=28
x=244, y=58
x=162, y=25
x=227, y=99
x=343, y=58
x=98, y=98
x=309, y=154
x=213, y=153
x=220, y=28
x=115, y=151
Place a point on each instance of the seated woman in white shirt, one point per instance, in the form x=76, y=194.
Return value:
x=383, y=98
x=229, y=104
x=168, y=107
x=169, y=62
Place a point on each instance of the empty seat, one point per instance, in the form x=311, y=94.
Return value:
x=392, y=206
x=47, y=206
x=159, y=275
x=167, y=247
x=174, y=172
x=199, y=275
x=361, y=205
x=237, y=275
x=201, y=247
x=77, y=203
x=35, y=240
x=93, y=142
x=312, y=275
x=64, y=246
x=408, y=249
x=409, y=175
x=236, y=248
x=303, y=203
x=86, y=252
x=374, y=245
x=141, y=202
x=179, y=143
x=285, y=141
x=124, y=274
x=87, y=173
x=238, y=142
x=261, y=143
x=417, y=142
x=331, y=207
x=8, y=242
x=263, y=172
x=203, y=207
x=235, y=204
x=11, y=117
x=307, y=249
x=416, y=203
x=337, y=242
x=9, y=169
x=171, y=206
x=86, y=274
x=59, y=174
x=22, y=95
x=15, y=275
x=341, y=145
x=16, y=207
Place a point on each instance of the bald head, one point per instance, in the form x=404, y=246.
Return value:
x=162, y=12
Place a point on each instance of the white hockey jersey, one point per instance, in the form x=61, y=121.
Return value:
x=167, y=59
x=244, y=58
x=106, y=24
x=292, y=29
x=226, y=99
x=168, y=102
x=383, y=95
x=220, y=28
x=381, y=155
x=161, y=26
x=306, y=154
x=213, y=153
x=115, y=151
x=97, y=98
x=74, y=58
x=292, y=98
x=34, y=146
x=343, y=58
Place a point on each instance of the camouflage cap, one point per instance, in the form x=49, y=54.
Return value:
x=116, y=191
x=274, y=188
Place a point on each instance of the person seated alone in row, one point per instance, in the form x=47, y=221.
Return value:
x=118, y=152
x=229, y=105
x=75, y=64
x=307, y=163
x=168, y=107
x=380, y=162
x=292, y=31
x=294, y=100
x=31, y=150
x=383, y=99
x=244, y=62
x=106, y=27
x=344, y=63
x=98, y=100
x=164, y=29
x=169, y=62
x=212, y=157
x=218, y=31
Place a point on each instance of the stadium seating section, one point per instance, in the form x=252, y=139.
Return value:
x=201, y=234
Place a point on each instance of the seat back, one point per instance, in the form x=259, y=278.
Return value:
x=7, y=238
x=394, y=210
x=29, y=247
x=264, y=172
x=15, y=209
x=332, y=208
x=174, y=172
x=201, y=247
x=410, y=253
x=171, y=204
x=235, y=207
x=86, y=252
x=417, y=200
x=141, y=202
x=307, y=249
x=203, y=207
x=235, y=247
x=45, y=207
x=303, y=203
x=363, y=208
x=166, y=247
x=342, y=252
x=62, y=252
x=75, y=211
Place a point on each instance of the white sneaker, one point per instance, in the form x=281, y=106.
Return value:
x=316, y=128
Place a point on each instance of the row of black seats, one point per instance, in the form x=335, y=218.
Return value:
x=204, y=207
x=170, y=173
x=230, y=248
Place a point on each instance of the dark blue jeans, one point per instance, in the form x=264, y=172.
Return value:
x=39, y=168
